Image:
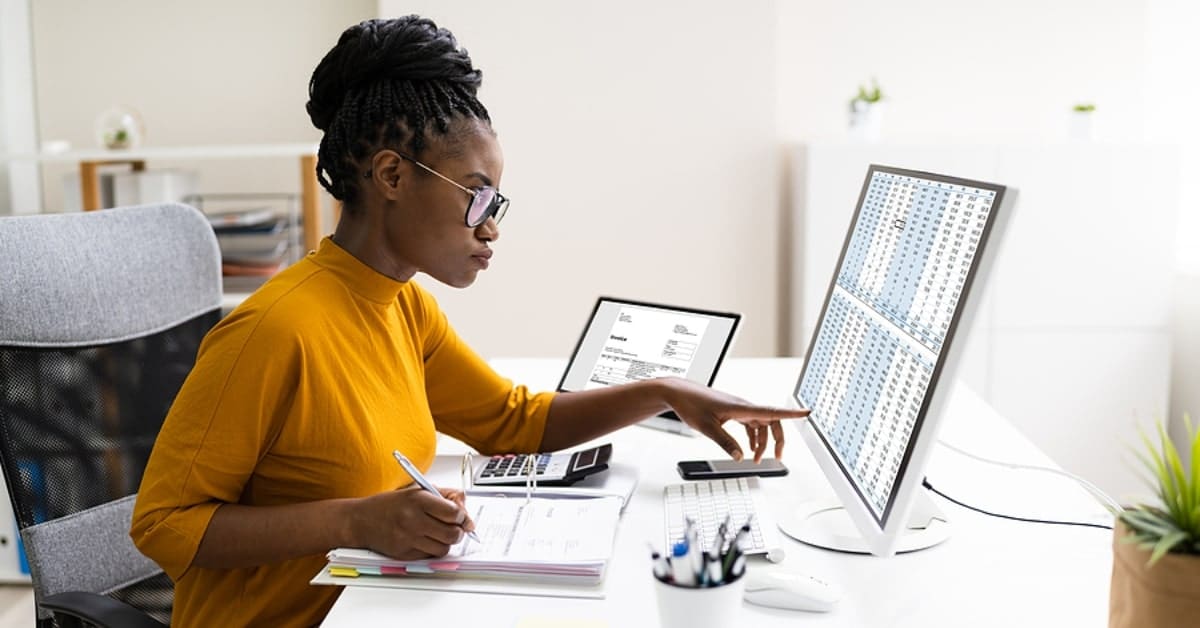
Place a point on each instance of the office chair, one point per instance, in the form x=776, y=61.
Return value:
x=101, y=315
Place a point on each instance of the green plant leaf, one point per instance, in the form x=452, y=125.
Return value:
x=1194, y=438
x=1172, y=525
x=1155, y=462
x=1165, y=544
x=1175, y=493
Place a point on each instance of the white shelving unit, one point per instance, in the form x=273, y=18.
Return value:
x=91, y=160
x=1073, y=342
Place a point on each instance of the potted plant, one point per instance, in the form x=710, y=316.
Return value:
x=1081, y=121
x=866, y=112
x=1156, y=547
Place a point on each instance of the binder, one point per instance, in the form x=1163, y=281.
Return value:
x=532, y=546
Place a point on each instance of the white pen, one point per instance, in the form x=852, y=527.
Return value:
x=412, y=471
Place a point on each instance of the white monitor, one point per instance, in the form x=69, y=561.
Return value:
x=886, y=337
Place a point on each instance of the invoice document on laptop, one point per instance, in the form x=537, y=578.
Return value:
x=627, y=341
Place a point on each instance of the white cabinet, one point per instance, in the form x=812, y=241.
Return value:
x=1073, y=341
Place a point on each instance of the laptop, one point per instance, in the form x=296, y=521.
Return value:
x=626, y=341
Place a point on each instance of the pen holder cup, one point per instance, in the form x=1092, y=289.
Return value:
x=699, y=607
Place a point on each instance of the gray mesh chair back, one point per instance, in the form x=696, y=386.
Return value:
x=101, y=315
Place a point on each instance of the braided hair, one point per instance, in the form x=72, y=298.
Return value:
x=387, y=82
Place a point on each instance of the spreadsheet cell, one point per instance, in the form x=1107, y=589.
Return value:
x=865, y=392
x=910, y=251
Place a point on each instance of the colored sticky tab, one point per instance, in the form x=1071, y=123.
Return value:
x=418, y=569
x=343, y=572
x=446, y=566
x=392, y=571
x=369, y=571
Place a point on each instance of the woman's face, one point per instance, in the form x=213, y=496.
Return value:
x=427, y=228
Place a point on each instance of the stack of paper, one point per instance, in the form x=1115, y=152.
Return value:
x=561, y=541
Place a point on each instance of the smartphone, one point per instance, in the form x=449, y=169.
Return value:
x=714, y=469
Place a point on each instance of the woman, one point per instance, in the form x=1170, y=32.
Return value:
x=277, y=448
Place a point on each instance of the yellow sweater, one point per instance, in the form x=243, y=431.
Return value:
x=301, y=394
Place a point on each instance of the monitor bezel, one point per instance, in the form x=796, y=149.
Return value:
x=881, y=532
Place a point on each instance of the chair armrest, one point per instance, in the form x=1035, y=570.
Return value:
x=100, y=610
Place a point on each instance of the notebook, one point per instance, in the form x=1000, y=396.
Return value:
x=538, y=546
x=626, y=341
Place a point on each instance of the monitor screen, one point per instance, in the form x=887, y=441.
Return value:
x=889, y=317
x=626, y=341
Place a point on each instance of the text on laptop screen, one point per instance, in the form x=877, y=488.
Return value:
x=627, y=341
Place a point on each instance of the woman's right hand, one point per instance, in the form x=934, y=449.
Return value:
x=411, y=523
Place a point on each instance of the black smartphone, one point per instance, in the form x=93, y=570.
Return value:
x=713, y=469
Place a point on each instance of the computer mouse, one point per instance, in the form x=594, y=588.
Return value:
x=790, y=590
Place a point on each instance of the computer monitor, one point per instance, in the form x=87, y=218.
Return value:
x=878, y=368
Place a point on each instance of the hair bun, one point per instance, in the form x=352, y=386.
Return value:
x=410, y=48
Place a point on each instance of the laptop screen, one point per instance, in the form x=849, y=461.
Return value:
x=626, y=341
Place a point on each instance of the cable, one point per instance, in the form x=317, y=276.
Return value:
x=1100, y=495
x=929, y=486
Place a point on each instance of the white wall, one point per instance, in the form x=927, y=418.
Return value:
x=19, y=192
x=640, y=154
x=1185, y=358
x=953, y=70
x=220, y=71
x=1171, y=112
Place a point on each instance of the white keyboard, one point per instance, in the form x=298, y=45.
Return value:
x=707, y=503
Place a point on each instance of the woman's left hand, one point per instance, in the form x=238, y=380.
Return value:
x=706, y=410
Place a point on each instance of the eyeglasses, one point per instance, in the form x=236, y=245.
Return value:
x=486, y=202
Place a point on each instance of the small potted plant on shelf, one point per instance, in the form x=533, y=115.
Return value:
x=1156, y=547
x=866, y=112
x=1081, y=121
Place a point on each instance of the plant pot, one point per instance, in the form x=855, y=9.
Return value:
x=1079, y=128
x=1166, y=594
x=866, y=121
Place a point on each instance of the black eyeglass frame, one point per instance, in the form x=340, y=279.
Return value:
x=496, y=209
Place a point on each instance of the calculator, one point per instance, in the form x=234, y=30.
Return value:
x=559, y=469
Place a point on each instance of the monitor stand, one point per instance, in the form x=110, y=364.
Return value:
x=826, y=524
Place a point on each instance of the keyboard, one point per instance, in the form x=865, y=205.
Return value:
x=707, y=503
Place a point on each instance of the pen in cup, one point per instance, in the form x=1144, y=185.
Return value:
x=681, y=568
x=417, y=477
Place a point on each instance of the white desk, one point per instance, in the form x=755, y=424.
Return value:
x=991, y=572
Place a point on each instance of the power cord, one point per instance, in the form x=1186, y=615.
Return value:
x=1094, y=490
x=929, y=486
x=1100, y=495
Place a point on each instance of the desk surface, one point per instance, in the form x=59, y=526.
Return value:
x=991, y=572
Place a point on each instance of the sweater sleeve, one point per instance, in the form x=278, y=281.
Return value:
x=469, y=400
x=213, y=437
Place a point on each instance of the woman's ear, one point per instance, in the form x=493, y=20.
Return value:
x=387, y=173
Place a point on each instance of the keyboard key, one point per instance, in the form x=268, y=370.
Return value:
x=707, y=504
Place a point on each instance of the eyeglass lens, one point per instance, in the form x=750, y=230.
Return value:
x=484, y=204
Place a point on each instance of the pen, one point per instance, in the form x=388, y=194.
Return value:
x=660, y=566
x=681, y=567
x=412, y=471
x=695, y=556
x=712, y=570
x=719, y=541
x=735, y=551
